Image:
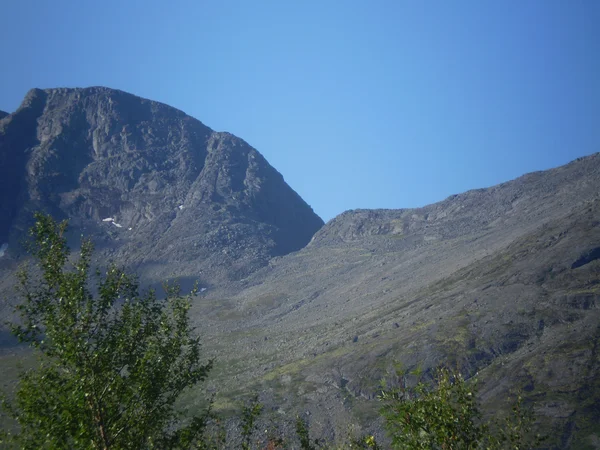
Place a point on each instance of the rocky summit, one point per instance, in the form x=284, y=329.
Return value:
x=502, y=283
x=155, y=188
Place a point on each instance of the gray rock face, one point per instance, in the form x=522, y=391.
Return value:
x=183, y=199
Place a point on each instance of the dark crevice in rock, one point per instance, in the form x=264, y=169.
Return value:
x=587, y=258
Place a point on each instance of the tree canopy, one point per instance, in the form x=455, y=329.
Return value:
x=113, y=362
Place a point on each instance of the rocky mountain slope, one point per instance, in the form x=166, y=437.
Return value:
x=503, y=281
x=156, y=189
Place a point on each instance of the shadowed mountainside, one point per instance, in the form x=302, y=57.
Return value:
x=156, y=189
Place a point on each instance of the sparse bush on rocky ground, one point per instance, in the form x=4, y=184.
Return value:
x=445, y=414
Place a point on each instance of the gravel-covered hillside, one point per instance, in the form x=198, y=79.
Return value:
x=503, y=281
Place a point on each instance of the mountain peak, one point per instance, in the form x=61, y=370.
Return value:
x=175, y=189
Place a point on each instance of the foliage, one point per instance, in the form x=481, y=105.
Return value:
x=113, y=362
x=249, y=415
x=365, y=442
x=446, y=415
x=302, y=431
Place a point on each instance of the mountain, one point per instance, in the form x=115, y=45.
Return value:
x=503, y=281
x=3, y=115
x=156, y=189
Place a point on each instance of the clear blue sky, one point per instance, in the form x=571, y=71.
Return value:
x=359, y=104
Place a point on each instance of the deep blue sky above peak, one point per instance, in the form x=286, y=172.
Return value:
x=358, y=104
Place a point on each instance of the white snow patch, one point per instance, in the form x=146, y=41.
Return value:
x=3, y=249
x=203, y=289
x=118, y=225
x=180, y=206
x=130, y=228
x=108, y=219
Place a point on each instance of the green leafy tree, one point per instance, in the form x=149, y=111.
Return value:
x=113, y=362
x=445, y=415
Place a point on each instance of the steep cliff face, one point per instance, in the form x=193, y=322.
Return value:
x=154, y=187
